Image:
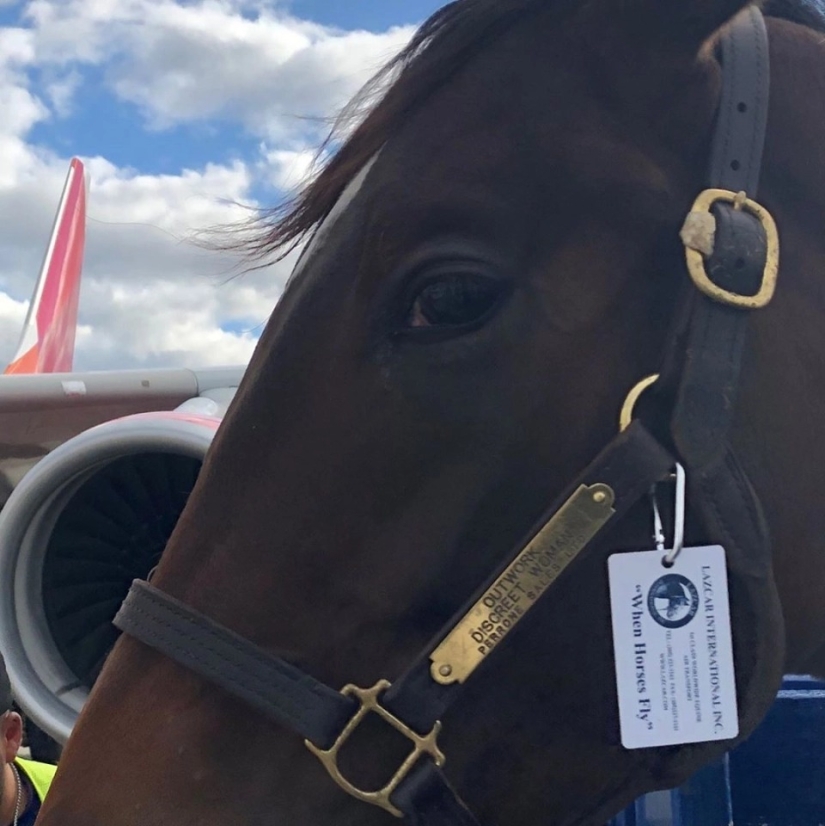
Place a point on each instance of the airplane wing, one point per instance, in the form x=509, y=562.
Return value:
x=39, y=412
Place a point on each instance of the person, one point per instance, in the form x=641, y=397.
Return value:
x=23, y=783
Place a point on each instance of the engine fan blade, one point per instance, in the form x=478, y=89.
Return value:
x=113, y=530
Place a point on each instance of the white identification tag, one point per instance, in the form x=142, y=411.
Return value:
x=672, y=644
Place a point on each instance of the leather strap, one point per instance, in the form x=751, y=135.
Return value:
x=739, y=139
x=630, y=464
x=427, y=799
x=278, y=689
x=706, y=399
x=706, y=402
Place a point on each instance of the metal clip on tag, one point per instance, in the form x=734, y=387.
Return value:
x=678, y=520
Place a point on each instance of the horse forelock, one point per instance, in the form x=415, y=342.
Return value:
x=324, y=228
x=439, y=47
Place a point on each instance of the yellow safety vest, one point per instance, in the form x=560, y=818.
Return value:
x=40, y=775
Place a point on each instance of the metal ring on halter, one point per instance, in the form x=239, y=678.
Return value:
x=626, y=416
x=678, y=520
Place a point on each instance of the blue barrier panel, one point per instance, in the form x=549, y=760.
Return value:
x=775, y=778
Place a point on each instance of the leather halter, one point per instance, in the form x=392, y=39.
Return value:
x=734, y=271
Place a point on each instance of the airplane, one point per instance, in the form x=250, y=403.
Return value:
x=95, y=468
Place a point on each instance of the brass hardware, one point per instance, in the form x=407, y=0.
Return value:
x=519, y=587
x=699, y=232
x=626, y=415
x=739, y=200
x=368, y=699
x=696, y=262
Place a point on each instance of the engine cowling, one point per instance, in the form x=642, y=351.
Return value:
x=82, y=524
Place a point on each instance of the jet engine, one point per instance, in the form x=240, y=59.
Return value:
x=85, y=521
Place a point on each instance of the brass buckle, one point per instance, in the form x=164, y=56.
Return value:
x=629, y=406
x=368, y=698
x=696, y=262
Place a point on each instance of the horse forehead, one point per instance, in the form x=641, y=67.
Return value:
x=504, y=123
x=476, y=165
x=321, y=236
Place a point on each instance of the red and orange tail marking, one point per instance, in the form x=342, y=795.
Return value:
x=47, y=343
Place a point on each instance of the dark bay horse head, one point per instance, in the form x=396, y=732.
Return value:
x=498, y=262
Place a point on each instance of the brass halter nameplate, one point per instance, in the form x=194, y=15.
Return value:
x=521, y=585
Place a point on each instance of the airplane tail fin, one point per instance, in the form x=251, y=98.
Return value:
x=47, y=342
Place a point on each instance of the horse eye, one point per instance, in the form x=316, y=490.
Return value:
x=453, y=300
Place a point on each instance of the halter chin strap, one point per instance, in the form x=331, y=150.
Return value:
x=732, y=260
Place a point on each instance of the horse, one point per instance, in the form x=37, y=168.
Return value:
x=493, y=261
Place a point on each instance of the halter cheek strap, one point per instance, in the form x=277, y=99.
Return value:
x=728, y=274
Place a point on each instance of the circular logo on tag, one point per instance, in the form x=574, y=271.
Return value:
x=673, y=600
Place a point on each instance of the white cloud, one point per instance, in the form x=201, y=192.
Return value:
x=175, y=203
x=182, y=63
x=289, y=168
x=21, y=109
x=12, y=316
x=61, y=90
x=16, y=47
x=149, y=294
x=160, y=324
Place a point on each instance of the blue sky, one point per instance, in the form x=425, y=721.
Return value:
x=102, y=124
x=179, y=109
x=375, y=15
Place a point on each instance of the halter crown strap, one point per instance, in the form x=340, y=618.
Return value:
x=710, y=371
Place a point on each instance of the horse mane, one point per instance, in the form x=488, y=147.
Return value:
x=441, y=45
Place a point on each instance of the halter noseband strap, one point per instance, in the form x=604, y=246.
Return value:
x=622, y=474
x=737, y=275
